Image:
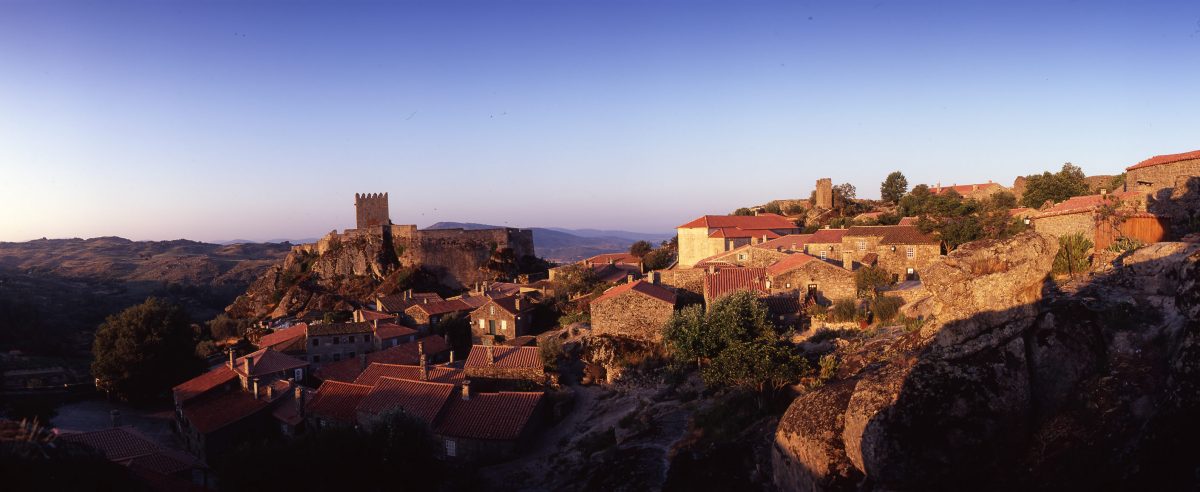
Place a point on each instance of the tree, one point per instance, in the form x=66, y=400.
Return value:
x=222, y=327
x=844, y=192
x=868, y=280
x=773, y=208
x=456, y=328
x=743, y=211
x=1066, y=183
x=640, y=249
x=659, y=259
x=695, y=335
x=686, y=336
x=894, y=187
x=761, y=365
x=575, y=279
x=795, y=209
x=143, y=351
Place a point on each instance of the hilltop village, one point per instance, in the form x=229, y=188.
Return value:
x=774, y=347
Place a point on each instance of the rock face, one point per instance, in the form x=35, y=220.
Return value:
x=1012, y=384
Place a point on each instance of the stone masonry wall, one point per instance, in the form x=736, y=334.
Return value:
x=457, y=256
x=1160, y=177
x=631, y=315
x=1062, y=225
x=752, y=257
x=897, y=262
x=833, y=282
x=825, y=193
x=371, y=209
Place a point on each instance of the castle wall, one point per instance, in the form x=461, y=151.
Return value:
x=371, y=209
x=825, y=193
x=457, y=256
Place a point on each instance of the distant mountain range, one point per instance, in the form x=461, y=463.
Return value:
x=569, y=245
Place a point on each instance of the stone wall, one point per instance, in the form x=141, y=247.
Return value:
x=1154, y=180
x=1062, y=225
x=832, y=282
x=695, y=245
x=752, y=257
x=832, y=250
x=825, y=193
x=689, y=280
x=631, y=315
x=507, y=326
x=457, y=256
x=371, y=209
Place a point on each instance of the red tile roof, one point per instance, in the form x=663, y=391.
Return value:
x=437, y=374
x=442, y=307
x=648, y=289
x=406, y=353
x=203, y=383
x=338, y=401
x=213, y=412
x=789, y=263
x=782, y=305
x=606, y=258
x=369, y=315
x=1085, y=204
x=474, y=301
x=282, y=338
x=325, y=329
x=614, y=273
x=288, y=414
x=506, y=357
x=827, y=236
x=907, y=221
x=893, y=234
x=166, y=462
x=267, y=361
x=962, y=189
x=493, y=416
x=734, y=232
x=1165, y=159
x=746, y=222
x=421, y=399
x=793, y=242
x=730, y=280
x=509, y=305
x=397, y=303
x=116, y=444
x=392, y=330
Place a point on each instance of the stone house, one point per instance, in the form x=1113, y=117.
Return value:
x=636, y=310
x=501, y=319
x=333, y=342
x=790, y=243
x=1154, y=177
x=1079, y=215
x=972, y=191
x=157, y=467
x=825, y=244
x=749, y=255
x=903, y=251
x=712, y=234
x=807, y=276
x=397, y=303
x=499, y=363
x=424, y=315
x=433, y=349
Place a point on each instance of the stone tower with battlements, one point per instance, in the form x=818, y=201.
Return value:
x=371, y=209
x=825, y=193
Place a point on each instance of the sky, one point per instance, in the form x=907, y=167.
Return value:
x=261, y=119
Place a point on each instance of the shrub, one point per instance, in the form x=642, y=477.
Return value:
x=912, y=325
x=886, y=308
x=1072, y=255
x=843, y=310
x=570, y=319
x=870, y=279
x=829, y=365
x=1124, y=244
x=551, y=351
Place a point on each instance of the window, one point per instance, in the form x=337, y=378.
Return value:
x=316, y=341
x=862, y=244
x=910, y=252
x=503, y=325
x=351, y=355
x=351, y=340
x=491, y=327
x=482, y=325
x=316, y=359
x=451, y=450
x=824, y=255
x=336, y=340
x=492, y=310
x=337, y=357
x=741, y=256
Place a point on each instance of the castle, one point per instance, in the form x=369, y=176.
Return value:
x=457, y=256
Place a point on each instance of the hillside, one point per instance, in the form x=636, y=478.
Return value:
x=51, y=289
x=569, y=245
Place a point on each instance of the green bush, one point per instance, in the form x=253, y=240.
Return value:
x=886, y=308
x=1124, y=244
x=1072, y=257
x=569, y=319
x=912, y=325
x=843, y=310
x=829, y=365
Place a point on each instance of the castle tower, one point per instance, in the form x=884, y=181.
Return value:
x=371, y=209
x=825, y=193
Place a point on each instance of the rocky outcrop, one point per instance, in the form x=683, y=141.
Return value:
x=1012, y=384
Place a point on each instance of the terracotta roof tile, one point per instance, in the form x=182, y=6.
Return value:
x=893, y=234
x=325, y=329
x=493, y=416
x=442, y=307
x=962, y=189
x=1165, y=159
x=827, y=236
x=421, y=399
x=283, y=338
x=730, y=280
x=397, y=303
x=338, y=401
x=437, y=374
x=782, y=305
x=506, y=357
x=793, y=242
x=606, y=258
x=736, y=232
x=648, y=289
x=203, y=383
x=907, y=221
x=116, y=444
x=789, y=263
x=392, y=330
x=213, y=412
x=406, y=353
x=1082, y=204
x=267, y=361
x=745, y=222
x=369, y=315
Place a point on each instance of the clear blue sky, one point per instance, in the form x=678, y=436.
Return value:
x=221, y=120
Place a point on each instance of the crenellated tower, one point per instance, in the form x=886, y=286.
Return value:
x=371, y=210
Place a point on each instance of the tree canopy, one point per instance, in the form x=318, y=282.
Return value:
x=640, y=248
x=893, y=187
x=143, y=351
x=1066, y=183
x=958, y=220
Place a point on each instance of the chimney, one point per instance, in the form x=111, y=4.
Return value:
x=712, y=269
x=115, y=417
x=231, y=357
x=300, y=400
x=255, y=388
x=466, y=389
x=424, y=300
x=408, y=294
x=270, y=392
x=1103, y=192
x=421, y=348
x=362, y=362
x=847, y=261
x=517, y=300
x=654, y=277
x=424, y=369
x=246, y=365
x=451, y=356
x=491, y=355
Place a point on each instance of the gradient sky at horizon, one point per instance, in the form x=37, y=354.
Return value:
x=259, y=120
